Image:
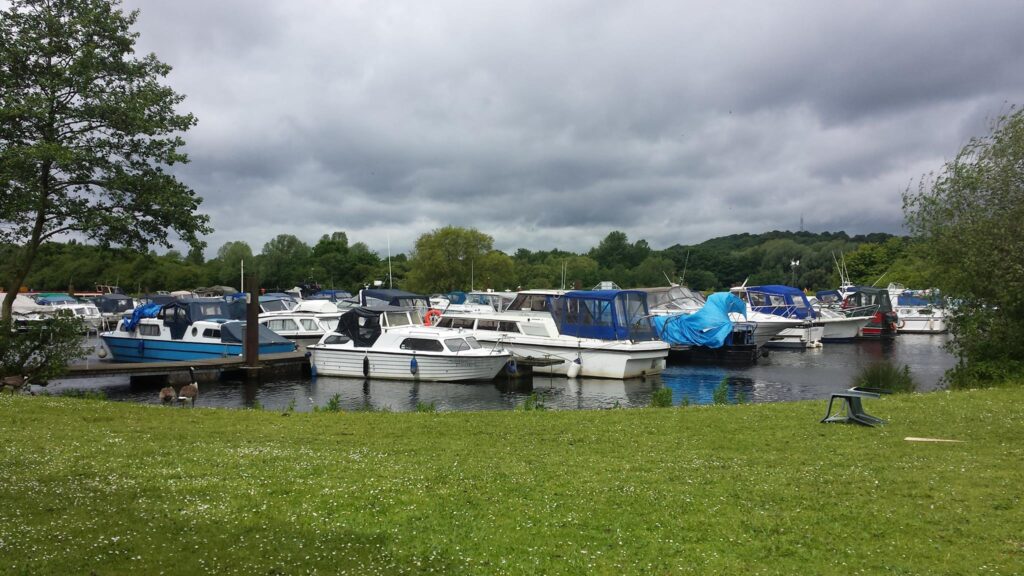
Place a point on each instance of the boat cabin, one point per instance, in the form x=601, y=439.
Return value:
x=363, y=326
x=778, y=300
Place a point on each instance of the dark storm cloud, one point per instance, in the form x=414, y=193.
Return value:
x=549, y=124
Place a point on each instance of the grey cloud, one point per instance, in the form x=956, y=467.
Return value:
x=550, y=124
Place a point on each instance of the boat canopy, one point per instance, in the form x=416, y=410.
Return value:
x=113, y=303
x=869, y=300
x=710, y=326
x=180, y=314
x=332, y=295
x=362, y=324
x=673, y=298
x=603, y=314
x=780, y=300
x=234, y=333
x=390, y=297
x=829, y=296
x=54, y=299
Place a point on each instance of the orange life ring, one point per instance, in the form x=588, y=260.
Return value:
x=431, y=317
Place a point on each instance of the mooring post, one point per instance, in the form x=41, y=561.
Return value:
x=252, y=332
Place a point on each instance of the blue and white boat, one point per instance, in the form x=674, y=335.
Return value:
x=188, y=329
x=790, y=302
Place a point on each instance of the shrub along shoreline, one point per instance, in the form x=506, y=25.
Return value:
x=117, y=488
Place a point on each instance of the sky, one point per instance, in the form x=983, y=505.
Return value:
x=548, y=124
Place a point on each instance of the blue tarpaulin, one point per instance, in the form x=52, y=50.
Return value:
x=710, y=326
x=144, y=311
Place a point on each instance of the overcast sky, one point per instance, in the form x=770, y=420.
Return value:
x=549, y=124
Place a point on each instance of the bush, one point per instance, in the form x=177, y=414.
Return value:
x=426, y=407
x=984, y=374
x=662, y=398
x=887, y=376
x=721, y=393
x=42, y=350
x=334, y=404
x=533, y=402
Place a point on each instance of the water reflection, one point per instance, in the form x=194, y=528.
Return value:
x=783, y=375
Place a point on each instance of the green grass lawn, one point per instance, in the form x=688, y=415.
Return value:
x=116, y=488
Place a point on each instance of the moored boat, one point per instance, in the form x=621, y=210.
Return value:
x=600, y=334
x=389, y=342
x=187, y=329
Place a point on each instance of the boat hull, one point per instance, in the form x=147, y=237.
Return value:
x=399, y=366
x=124, y=349
x=911, y=321
x=842, y=329
x=629, y=361
x=802, y=337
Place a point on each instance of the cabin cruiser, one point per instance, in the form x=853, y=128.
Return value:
x=472, y=302
x=391, y=342
x=600, y=334
x=838, y=326
x=681, y=300
x=875, y=304
x=780, y=305
x=112, y=306
x=304, y=324
x=791, y=302
x=919, y=311
x=186, y=329
x=87, y=312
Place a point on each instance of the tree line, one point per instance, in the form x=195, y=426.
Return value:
x=456, y=258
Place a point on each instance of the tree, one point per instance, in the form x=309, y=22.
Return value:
x=450, y=258
x=970, y=218
x=86, y=132
x=229, y=262
x=284, y=261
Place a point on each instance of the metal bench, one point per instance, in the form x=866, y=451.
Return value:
x=854, y=410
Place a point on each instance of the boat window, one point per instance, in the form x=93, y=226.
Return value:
x=530, y=302
x=422, y=345
x=282, y=325
x=445, y=322
x=210, y=310
x=331, y=324
x=487, y=324
x=534, y=329
x=777, y=300
x=504, y=326
x=309, y=324
x=456, y=344
x=472, y=342
x=398, y=319
x=211, y=333
x=798, y=302
x=149, y=330
x=462, y=323
x=273, y=306
x=336, y=339
x=757, y=299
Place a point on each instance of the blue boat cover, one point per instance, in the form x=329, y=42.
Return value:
x=603, y=314
x=780, y=300
x=710, y=326
x=145, y=311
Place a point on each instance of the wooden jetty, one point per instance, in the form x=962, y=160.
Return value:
x=210, y=369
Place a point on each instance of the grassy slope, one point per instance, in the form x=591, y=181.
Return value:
x=117, y=488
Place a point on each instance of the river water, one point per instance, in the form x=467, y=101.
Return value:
x=783, y=375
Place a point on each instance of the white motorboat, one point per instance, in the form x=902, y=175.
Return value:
x=304, y=324
x=87, y=312
x=838, y=327
x=391, y=343
x=919, y=311
x=600, y=334
x=782, y=306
